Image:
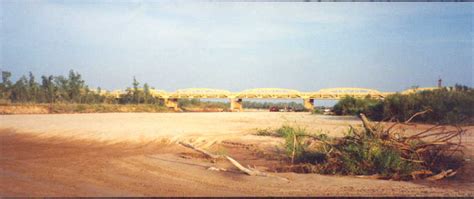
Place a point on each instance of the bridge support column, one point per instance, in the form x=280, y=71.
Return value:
x=171, y=103
x=236, y=105
x=308, y=104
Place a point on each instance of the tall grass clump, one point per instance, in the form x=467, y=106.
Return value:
x=294, y=146
x=364, y=154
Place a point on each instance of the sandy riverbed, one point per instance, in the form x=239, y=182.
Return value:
x=134, y=154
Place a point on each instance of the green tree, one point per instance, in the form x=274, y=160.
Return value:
x=6, y=85
x=48, y=88
x=19, y=91
x=146, y=91
x=136, y=94
x=352, y=106
x=61, y=84
x=75, y=86
x=99, y=98
x=88, y=97
x=33, y=88
x=6, y=78
x=447, y=106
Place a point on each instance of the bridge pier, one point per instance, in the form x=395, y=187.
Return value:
x=236, y=105
x=171, y=103
x=308, y=104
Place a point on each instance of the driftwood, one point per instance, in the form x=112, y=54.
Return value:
x=415, y=174
x=442, y=174
x=417, y=114
x=434, y=143
x=200, y=150
x=248, y=171
x=424, y=149
x=293, y=153
x=369, y=126
x=427, y=149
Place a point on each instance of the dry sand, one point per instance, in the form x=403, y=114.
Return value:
x=134, y=154
x=140, y=127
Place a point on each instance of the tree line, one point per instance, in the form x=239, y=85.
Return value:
x=67, y=89
x=73, y=89
x=444, y=105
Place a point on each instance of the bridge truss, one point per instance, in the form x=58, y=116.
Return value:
x=265, y=93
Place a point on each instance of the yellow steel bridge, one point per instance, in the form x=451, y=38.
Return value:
x=171, y=98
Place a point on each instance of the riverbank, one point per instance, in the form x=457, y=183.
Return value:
x=79, y=108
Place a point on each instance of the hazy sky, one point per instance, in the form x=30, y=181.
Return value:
x=235, y=46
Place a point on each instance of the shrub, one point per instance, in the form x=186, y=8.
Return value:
x=316, y=111
x=448, y=106
x=352, y=106
x=374, y=150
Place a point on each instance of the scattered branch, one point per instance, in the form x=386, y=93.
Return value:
x=425, y=153
x=294, y=149
x=417, y=114
x=200, y=150
x=367, y=124
x=442, y=174
x=248, y=171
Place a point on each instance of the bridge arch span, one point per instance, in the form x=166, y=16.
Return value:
x=269, y=93
x=200, y=93
x=338, y=93
x=352, y=90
